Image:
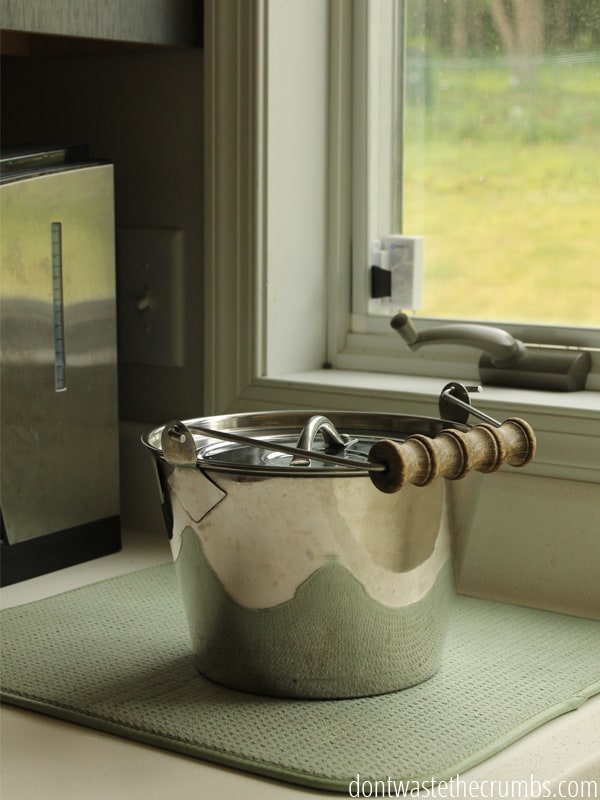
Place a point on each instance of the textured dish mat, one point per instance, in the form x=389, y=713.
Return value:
x=115, y=656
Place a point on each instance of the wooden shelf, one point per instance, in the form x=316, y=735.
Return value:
x=39, y=28
x=40, y=45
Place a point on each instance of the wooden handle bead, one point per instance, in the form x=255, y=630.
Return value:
x=520, y=441
x=413, y=461
x=482, y=449
x=452, y=454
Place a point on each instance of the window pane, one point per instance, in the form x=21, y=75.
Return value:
x=501, y=157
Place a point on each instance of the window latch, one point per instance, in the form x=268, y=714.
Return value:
x=397, y=270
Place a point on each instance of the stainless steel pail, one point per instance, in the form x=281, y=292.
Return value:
x=300, y=578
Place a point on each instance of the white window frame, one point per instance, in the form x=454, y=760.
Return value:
x=375, y=148
x=278, y=243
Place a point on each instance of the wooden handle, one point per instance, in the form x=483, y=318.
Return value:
x=452, y=454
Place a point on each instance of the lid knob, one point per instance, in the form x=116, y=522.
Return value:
x=334, y=441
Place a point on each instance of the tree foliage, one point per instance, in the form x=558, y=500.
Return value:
x=513, y=28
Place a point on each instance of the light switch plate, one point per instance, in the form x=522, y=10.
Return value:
x=150, y=298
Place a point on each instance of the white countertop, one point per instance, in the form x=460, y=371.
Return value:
x=46, y=758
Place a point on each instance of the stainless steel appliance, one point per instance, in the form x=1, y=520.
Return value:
x=59, y=469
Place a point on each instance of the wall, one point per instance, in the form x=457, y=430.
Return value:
x=534, y=541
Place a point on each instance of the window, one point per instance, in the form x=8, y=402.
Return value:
x=501, y=132
x=280, y=94
x=496, y=104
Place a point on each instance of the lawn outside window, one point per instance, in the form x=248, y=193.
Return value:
x=280, y=97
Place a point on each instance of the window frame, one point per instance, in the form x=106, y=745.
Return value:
x=262, y=350
x=373, y=214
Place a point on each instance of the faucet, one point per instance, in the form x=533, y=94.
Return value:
x=505, y=361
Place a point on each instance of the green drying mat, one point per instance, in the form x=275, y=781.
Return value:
x=115, y=656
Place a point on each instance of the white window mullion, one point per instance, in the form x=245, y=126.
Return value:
x=377, y=129
x=340, y=177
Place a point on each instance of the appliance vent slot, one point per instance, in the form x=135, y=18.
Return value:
x=60, y=380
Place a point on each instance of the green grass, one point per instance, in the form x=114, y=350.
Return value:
x=504, y=182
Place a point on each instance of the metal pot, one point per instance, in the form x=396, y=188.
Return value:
x=299, y=576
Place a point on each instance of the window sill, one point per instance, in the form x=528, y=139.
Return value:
x=566, y=424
